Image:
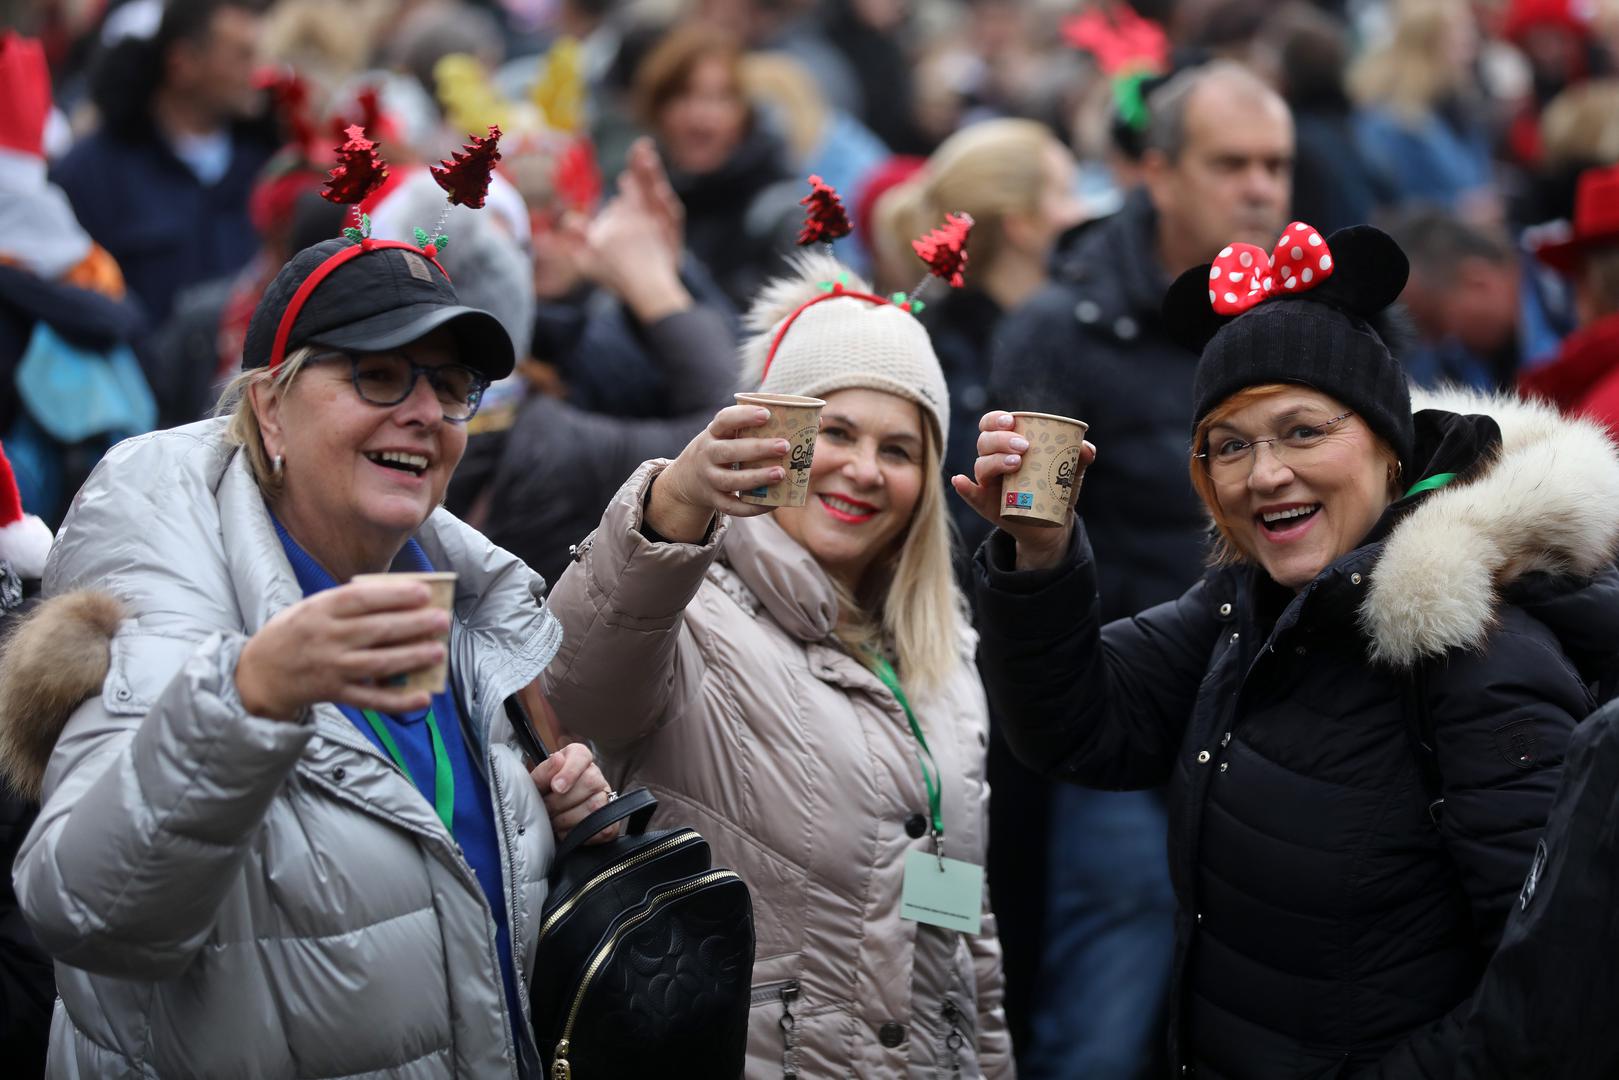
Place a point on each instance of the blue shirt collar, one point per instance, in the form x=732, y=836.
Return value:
x=312, y=576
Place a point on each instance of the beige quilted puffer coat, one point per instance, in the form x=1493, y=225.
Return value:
x=710, y=675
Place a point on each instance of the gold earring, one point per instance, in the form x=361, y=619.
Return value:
x=277, y=465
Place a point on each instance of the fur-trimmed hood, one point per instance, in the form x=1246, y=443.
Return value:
x=55, y=659
x=1548, y=503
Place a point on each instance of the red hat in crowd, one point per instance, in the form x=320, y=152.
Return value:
x=1596, y=221
x=24, y=539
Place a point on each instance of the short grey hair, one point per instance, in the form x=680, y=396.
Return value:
x=1166, y=106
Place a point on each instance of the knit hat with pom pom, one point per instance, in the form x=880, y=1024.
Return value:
x=821, y=329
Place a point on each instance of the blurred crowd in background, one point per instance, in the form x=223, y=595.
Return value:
x=159, y=162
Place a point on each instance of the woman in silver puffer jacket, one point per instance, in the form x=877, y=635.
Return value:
x=256, y=855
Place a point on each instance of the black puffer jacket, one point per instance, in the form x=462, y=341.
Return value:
x=1328, y=926
x=1092, y=345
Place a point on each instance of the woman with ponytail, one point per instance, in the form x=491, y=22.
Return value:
x=799, y=686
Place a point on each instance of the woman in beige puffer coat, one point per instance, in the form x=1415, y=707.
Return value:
x=729, y=662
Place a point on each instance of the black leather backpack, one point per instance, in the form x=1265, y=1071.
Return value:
x=645, y=956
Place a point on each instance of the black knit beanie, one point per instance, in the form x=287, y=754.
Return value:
x=1317, y=337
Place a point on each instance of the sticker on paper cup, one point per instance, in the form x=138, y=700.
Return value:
x=1020, y=500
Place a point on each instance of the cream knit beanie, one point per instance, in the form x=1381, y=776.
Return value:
x=840, y=343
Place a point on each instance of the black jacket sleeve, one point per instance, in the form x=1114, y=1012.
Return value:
x=1105, y=707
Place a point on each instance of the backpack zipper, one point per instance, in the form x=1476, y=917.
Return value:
x=611, y=872
x=560, y=1069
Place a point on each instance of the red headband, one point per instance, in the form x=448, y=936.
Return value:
x=781, y=331
x=283, y=329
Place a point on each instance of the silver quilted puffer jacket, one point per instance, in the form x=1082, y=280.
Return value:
x=231, y=896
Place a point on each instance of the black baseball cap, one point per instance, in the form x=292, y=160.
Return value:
x=387, y=296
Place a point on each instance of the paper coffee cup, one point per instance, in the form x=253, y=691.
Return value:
x=1043, y=489
x=798, y=420
x=441, y=584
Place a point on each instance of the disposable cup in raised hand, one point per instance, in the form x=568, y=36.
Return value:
x=798, y=420
x=1043, y=489
x=441, y=584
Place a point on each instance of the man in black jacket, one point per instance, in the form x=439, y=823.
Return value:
x=1091, y=345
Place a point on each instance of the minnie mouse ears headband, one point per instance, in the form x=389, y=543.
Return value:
x=1359, y=270
x=944, y=249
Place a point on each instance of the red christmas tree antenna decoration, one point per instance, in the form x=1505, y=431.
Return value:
x=945, y=248
x=578, y=179
x=465, y=175
x=824, y=218
x=359, y=171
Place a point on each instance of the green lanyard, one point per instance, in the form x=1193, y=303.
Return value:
x=443, y=775
x=930, y=768
x=1438, y=480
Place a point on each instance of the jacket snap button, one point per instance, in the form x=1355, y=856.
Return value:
x=1225, y=609
x=1202, y=757
x=1354, y=579
x=1200, y=918
x=339, y=773
x=1234, y=638
x=123, y=693
x=1299, y=650
x=1224, y=765
x=521, y=829
x=1225, y=740
x=915, y=826
x=891, y=1034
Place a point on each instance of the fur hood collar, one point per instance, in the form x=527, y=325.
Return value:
x=1549, y=503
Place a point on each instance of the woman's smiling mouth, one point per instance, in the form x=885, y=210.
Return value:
x=849, y=511
x=1286, y=523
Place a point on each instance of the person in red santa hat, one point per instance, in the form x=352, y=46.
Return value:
x=1583, y=378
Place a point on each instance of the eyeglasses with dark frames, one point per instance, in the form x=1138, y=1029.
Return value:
x=1232, y=457
x=388, y=378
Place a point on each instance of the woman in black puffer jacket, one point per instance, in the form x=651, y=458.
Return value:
x=1361, y=710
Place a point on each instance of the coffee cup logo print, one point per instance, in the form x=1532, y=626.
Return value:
x=1064, y=468
x=802, y=454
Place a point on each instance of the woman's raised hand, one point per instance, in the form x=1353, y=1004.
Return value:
x=702, y=481
x=338, y=646
x=1000, y=451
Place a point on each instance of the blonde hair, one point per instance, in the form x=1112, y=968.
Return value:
x=242, y=430
x=1408, y=73
x=1580, y=126
x=991, y=170
x=909, y=605
x=1228, y=549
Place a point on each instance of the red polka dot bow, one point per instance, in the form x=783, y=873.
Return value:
x=1243, y=275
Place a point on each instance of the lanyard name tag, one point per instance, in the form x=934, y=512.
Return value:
x=943, y=892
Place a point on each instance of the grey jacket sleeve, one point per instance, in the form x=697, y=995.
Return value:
x=146, y=820
x=697, y=352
